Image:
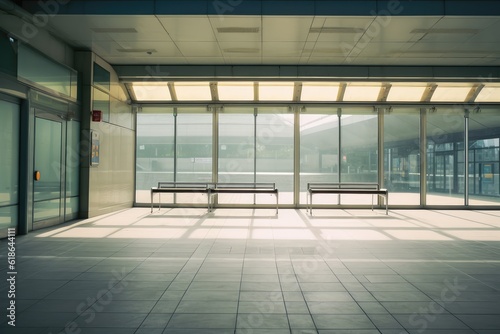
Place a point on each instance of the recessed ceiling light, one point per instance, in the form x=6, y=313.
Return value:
x=337, y=30
x=239, y=30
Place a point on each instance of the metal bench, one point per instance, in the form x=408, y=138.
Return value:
x=179, y=187
x=346, y=188
x=239, y=188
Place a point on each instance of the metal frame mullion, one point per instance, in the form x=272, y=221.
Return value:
x=423, y=157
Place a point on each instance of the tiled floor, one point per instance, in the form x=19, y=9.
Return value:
x=248, y=271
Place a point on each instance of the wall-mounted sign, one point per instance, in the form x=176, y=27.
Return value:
x=96, y=116
x=94, y=158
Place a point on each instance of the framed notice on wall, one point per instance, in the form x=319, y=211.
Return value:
x=94, y=157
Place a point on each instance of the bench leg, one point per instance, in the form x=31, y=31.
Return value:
x=387, y=204
x=276, y=203
x=372, y=201
x=151, y=201
x=311, y=204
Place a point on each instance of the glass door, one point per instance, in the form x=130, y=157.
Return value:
x=47, y=170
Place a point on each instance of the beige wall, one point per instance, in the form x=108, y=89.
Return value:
x=110, y=186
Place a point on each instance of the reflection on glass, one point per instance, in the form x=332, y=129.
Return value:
x=359, y=158
x=319, y=151
x=484, y=157
x=47, y=191
x=275, y=151
x=402, y=156
x=155, y=152
x=445, y=158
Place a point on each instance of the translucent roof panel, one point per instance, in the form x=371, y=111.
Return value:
x=235, y=91
x=450, y=93
x=156, y=91
x=193, y=91
x=489, y=94
x=406, y=92
x=276, y=91
x=362, y=91
x=319, y=91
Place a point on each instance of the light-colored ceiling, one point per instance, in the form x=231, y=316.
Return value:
x=285, y=40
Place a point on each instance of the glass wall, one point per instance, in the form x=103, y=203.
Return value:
x=445, y=157
x=319, y=150
x=9, y=167
x=402, y=156
x=256, y=144
x=274, y=151
x=484, y=157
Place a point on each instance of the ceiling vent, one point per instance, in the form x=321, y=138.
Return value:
x=149, y=51
x=238, y=30
x=337, y=30
x=241, y=50
x=445, y=31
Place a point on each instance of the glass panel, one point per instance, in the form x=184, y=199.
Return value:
x=193, y=91
x=445, y=177
x=47, y=191
x=489, y=94
x=9, y=151
x=72, y=206
x=157, y=91
x=41, y=70
x=155, y=151
x=406, y=92
x=451, y=93
x=9, y=166
x=72, y=158
x=236, y=91
x=101, y=102
x=194, y=152
x=236, y=152
x=362, y=91
x=319, y=91
x=402, y=156
x=101, y=77
x=8, y=216
x=319, y=150
x=276, y=91
x=359, y=150
x=275, y=152
x=484, y=157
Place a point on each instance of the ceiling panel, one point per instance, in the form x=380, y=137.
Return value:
x=285, y=49
x=237, y=29
x=199, y=49
x=188, y=28
x=286, y=29
x=402, y=29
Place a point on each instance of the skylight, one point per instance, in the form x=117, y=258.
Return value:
x=489, y=94
x=406, y=92
x=450, y=93
x=156, y=91
x=276, y=91
x=319, y=91
x=357, y=92
x=193, y=91
x=236, y=91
